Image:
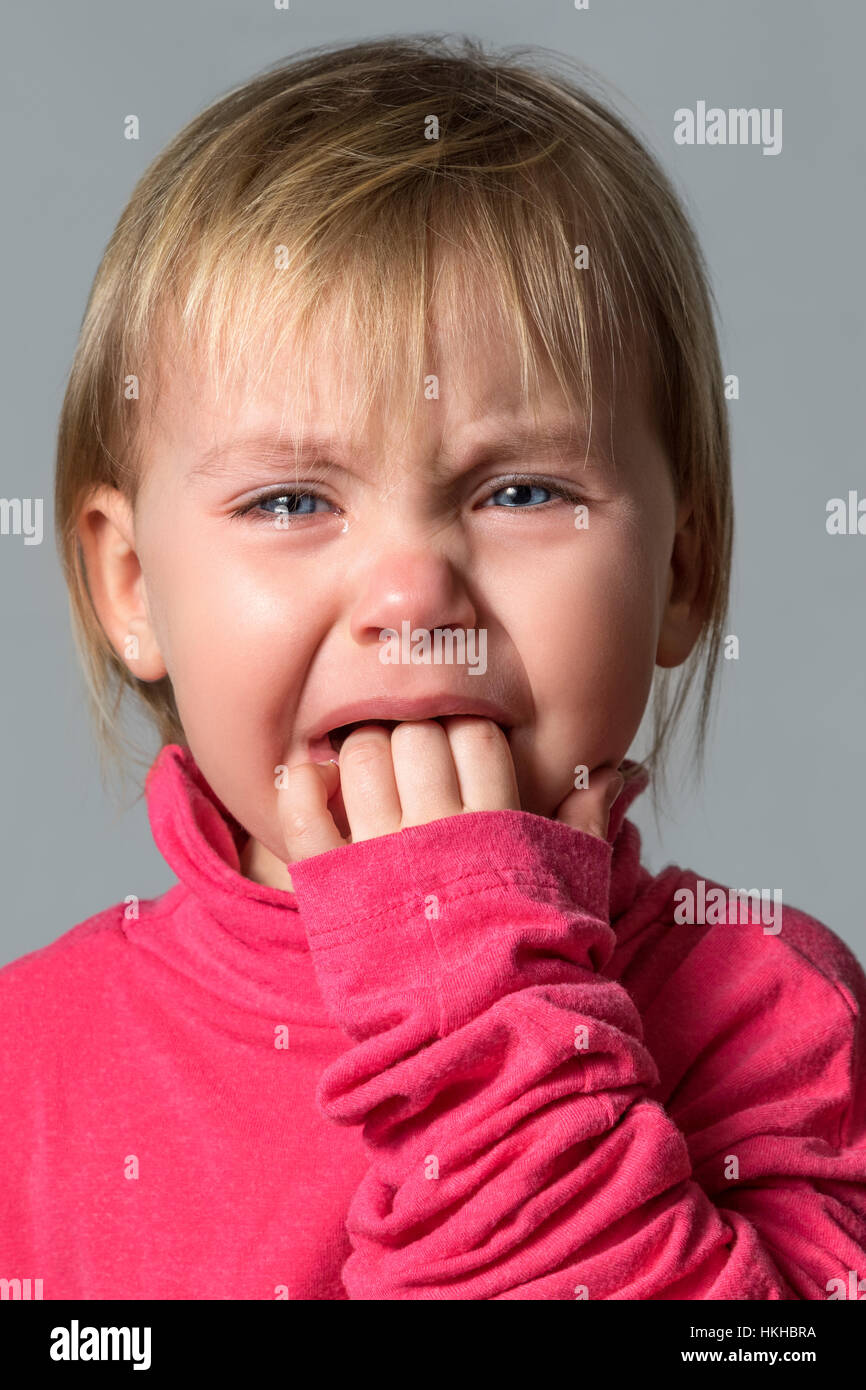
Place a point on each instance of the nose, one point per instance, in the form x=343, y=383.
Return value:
x=418, y=586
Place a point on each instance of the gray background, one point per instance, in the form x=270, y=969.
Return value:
x=781, y=805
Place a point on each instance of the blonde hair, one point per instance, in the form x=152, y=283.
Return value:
x=312, y=188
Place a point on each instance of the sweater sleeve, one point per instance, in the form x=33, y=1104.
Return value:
x=503, y=1084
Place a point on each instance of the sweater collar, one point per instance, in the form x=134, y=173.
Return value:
x=201, y=841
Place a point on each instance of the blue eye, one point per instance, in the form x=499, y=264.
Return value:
x=289, y=504
x=520, y=488
x=519, y=492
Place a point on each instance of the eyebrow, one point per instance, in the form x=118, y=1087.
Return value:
x=269, y=450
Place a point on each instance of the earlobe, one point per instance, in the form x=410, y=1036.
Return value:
x=116, y=582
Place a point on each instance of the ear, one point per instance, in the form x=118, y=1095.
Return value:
x=116, y=582
x=682, y=617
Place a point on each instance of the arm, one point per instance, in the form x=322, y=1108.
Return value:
x=503, y=1083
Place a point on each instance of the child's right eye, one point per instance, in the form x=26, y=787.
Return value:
x=291, y=507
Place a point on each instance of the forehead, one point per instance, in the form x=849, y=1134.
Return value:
x=470, y=391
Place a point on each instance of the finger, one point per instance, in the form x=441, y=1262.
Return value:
x=483, y=762
x=302, y=804
x=588, y=808
x=424, y=771
x=368, y=785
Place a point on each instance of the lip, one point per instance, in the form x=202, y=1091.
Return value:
x=393, y=707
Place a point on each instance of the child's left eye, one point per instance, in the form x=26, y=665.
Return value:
x=528, y=486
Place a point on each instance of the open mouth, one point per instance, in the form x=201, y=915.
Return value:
x=338, y=736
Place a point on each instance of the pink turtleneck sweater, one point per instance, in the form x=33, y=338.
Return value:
x=477, y=1059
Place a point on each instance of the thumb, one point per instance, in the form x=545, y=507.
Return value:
x=305, y=820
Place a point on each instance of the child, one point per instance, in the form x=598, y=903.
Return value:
x=401, y=353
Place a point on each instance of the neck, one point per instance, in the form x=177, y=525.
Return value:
x=257, y=863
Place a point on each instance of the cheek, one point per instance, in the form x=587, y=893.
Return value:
x=589, y=646
x=234, y=640
x=595, y=621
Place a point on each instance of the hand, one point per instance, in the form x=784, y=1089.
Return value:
x=421, y=771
